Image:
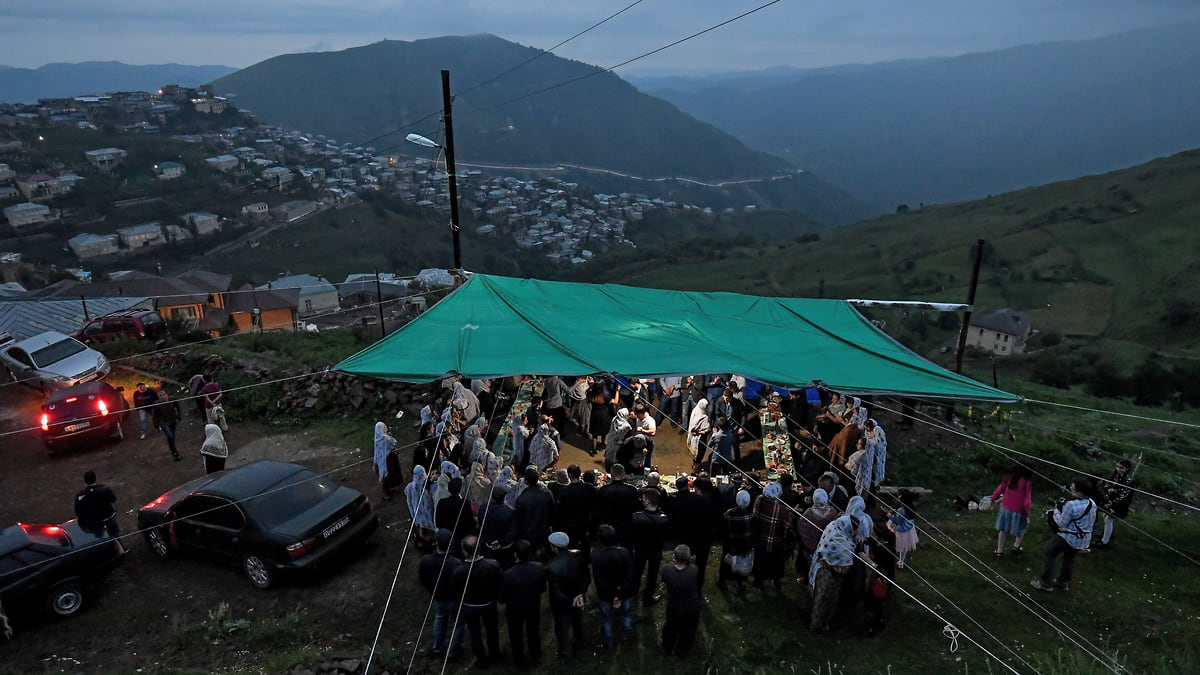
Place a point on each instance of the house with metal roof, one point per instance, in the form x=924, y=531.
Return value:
x=1000, y=331
x=316, y=294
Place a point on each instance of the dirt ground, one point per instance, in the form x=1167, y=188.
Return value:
x=154, y=616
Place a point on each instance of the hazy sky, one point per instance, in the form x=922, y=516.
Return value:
x=239, y=33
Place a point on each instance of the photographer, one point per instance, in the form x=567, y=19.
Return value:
x=1072, y=521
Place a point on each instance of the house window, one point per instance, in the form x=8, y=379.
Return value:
x=1006, y=338
x=308, y=305
x=1004, y=348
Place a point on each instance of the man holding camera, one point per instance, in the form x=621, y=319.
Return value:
x=1072, y=521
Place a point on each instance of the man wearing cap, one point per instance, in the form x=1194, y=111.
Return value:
x=567, y=574
x=435, y=572
x=477, y=583
x=521, y=592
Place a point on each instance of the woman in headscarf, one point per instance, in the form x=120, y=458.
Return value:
x=543, y=451
x=465, y=401
x=858, y=413
x=506, y=481
x=739, y=539
x=479, y=488
x=520, y=440
x=861, y=466
x=441, y=487
x=617, y=432
x=420, y=505
x=834, y=560
x=477, y=431
x=775, y=525
x=214, y=450
x=877, y=439
x=699, y=429
x=810, y=526
x=387, y=463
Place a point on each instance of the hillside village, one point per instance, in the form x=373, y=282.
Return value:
x=281, y=176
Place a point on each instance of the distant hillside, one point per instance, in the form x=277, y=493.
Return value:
x=358, y=94
x=60, y=80
x=1110, y=257
x=962, y=128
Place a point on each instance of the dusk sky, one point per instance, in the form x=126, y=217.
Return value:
x=790, y=32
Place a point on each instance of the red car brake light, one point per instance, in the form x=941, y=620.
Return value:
x=102, y=406
x=157, y=502
x=71, y=400
x=45, y=422
x=301, y=548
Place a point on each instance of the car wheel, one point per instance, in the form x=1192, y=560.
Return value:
x=258, y=570
x=160, y=546
x=65, y=600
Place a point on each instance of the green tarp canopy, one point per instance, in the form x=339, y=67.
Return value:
x=497, y=326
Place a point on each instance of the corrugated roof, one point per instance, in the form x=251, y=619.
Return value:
x=26, y=318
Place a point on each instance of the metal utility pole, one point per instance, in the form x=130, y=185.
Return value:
x=379, y=304
x=966, y=322
x=449, y=147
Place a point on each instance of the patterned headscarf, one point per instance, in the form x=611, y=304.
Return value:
x=820, y=497
x=743, y=498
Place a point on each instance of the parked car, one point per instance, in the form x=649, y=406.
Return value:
x=49, y=568
x=83, y=412
x=270, y=518
x=142, y=324
x=51, y=361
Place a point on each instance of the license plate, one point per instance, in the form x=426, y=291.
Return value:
x=76, y=427
x=335, y=527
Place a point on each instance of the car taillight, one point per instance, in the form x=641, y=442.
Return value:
x=71, y=400
x=45, y=422
x=301, y=548
x=363, y=509
x=156, y=503
x=102, y=406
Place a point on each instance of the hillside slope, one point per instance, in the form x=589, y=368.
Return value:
x=943, y=130
x=523, y=118
x=61, y=80
x=1110, y=256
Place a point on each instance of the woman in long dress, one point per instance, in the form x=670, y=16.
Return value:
x=214, y=450
x=877, y=439
x=543, y=451
x=387, y=463
x=618, y=430
x=420, y=505
x=699, y=429
x=834, y=560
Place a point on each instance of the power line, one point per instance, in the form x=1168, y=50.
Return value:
x=1113, y=412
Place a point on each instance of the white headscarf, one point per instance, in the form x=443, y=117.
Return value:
x=698, y=421
x=820, y=496
x=543, y=451
x=384, y=444
x=877, y=439
x=617, y=432
x=214, y=442
x=420, y=501
x=465, y=401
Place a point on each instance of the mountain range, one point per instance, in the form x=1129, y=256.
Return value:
x=517, y=105
x=948, y=129
x=61, y=80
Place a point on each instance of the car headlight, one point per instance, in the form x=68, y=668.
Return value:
x=101, y=362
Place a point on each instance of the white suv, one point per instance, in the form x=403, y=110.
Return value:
x=51, y=361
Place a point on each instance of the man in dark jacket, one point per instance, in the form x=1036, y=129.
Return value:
x=94, y=506
x=435, y=572
x=648, y=529
x=535, y=511
x=695, y=519
x=498, y=528
x=452, y=513
x=612, y=570
x=617, y=502
x=143, y=398
x=521, y=592
x=477, y=581
x=567, y=574
x=683, y=604
x=576, y=503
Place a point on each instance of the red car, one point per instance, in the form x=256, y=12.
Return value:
x=84, y=412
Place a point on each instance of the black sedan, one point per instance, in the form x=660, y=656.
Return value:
x=267, y=517
x=84, y=411
x=47, y=568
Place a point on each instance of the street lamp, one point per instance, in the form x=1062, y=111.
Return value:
x=449, y=148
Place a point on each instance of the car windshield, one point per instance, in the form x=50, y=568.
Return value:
x=301, y=492
x=58, y=351
x=151, y=319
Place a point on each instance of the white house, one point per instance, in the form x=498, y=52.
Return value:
x=139, y=236
x=278, y=176
x=88, y=245
x=203, y=223
x=257, y=211
x=5, y=172
x=316, y=294
x=999, y=331
x=105, y=159
x=223, y=162
x=22, y=215
x=169, y=170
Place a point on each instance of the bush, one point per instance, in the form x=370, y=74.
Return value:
x=1051, y=371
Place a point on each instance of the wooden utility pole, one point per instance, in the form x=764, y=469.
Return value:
x=379, y=304
x=966, y=322
x=450, y=173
